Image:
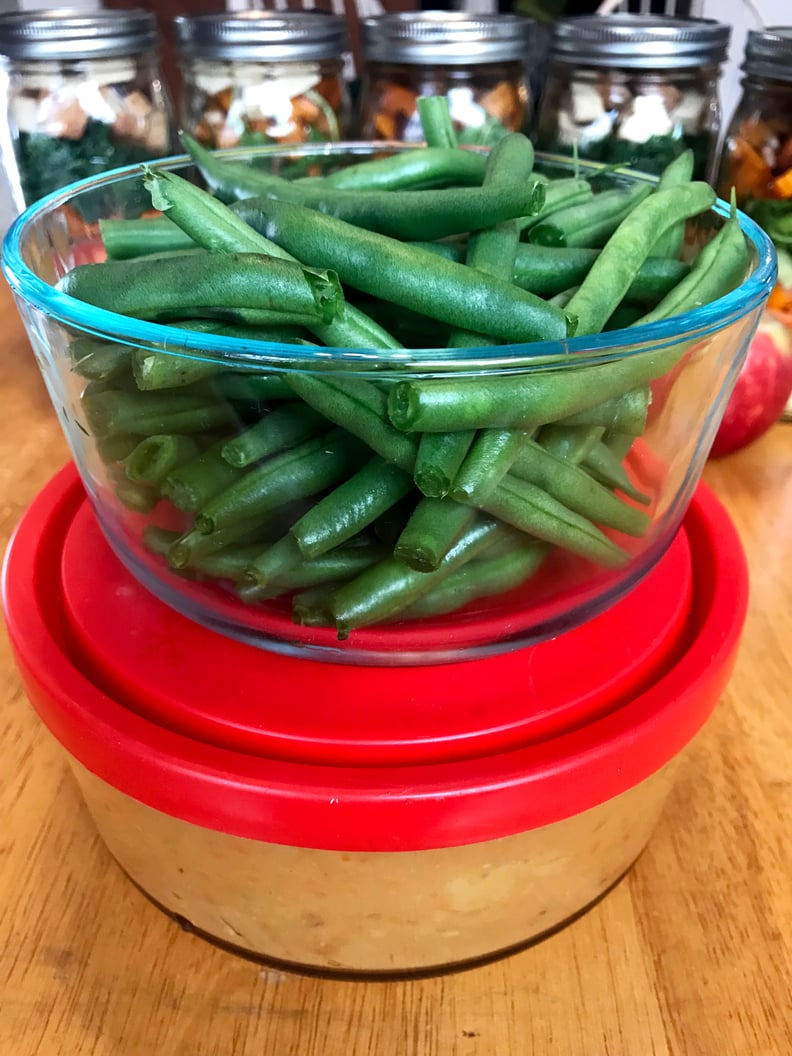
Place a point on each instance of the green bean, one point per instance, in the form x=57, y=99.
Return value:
x=454, y=251
x=401, y=214
x=593, y=222
x=194, y=548
x=157, y=456
x=656, y=277
x=230, y=563
x=574, y=488
x=624, y=316
x=154, y=369
x=138, y=497
x=361, y=411
x=158, y=540
x=241, y=386
x=335, y=567
x=606, y=466
x=438, y=460
x=618, y=263
x=488, y=461
x=431, y=531
x=309, y=608
x=410, y=215
x=678, y=171
x=387, y=588
x=215, y=227
x=546, y=270
x=314, y=466
x=618, y=443
x=351, y=507
x=205, y=220
x=570, y=442
x=415, y=278
x=483, y=578
x=625, y=413
x=436, y=123
x=532, y=510
x=124, y=239
x=676, y=174
x=269, y=289
x=193, y=484
x=152, y=413
x=122, y=383
x=116, y=447
x=717, y=270
x=559, y=194
x=279, y=429
x=97, y=359
x=229, y=180
x=282, y=572
x=525, y=400
x=429, y=166
x=493, y=250
x=411, y=328
x=549, y=270
x=278, y=559
x=562, y=299
x=389, y=526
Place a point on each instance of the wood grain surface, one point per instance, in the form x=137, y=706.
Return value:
x=691, y=955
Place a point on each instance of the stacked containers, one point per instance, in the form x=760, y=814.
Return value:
x=634, y=90
x=83, y=93
x=478, y=61
x=257, y=77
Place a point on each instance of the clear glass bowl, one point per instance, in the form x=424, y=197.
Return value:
x=700, y=351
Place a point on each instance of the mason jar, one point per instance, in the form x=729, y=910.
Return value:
x=634, y=90
x=257, y=77
x=756, y=157
x=757, y=150
x=479, y=62
x=82, y=93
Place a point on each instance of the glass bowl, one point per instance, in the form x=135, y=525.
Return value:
x=507, y=592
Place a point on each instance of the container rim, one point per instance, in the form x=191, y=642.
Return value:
x=690, y=326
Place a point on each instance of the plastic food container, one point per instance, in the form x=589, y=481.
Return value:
x=82, y=93
x=389, y=819
x=263, y=77
x=660, y=429
x=479, y=62
x=634, y=90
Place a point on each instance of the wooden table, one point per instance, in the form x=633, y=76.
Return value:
x=691, y=955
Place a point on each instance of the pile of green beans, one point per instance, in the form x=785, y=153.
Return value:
x=365, y=499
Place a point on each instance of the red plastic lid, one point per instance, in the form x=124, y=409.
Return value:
x=216, y=689
x=368, y=808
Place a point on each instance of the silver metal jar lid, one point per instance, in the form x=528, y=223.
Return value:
x=73, y=34
x=445, y=38
x=261, y=35
x=641, y=41
x=768, y=53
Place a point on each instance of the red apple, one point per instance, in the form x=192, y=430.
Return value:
x=88, y=251
x=762, y=390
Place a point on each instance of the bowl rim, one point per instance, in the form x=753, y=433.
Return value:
x=251, y=354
